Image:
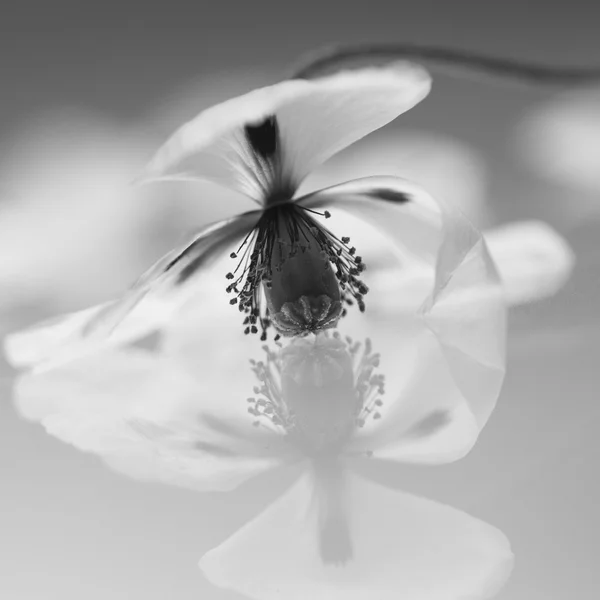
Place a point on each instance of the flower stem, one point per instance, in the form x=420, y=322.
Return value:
x=334, y=57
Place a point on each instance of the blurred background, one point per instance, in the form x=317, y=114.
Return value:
x=89, y=90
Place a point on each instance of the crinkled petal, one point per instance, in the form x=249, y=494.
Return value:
x=402, y=547
x=300, y=124
x=442, y=354
x=145, y=307
x=148, y=418
x=533, y=260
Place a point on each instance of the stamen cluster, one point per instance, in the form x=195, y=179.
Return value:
x=269, y=405
x=265, y=256
x=272, y=409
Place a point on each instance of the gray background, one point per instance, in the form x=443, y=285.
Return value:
x=71, y=529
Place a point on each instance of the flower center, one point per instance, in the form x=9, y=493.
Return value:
x=318, y=391
x=294, y=274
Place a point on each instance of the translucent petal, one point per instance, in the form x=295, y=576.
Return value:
x=148, y=418
x=444, y=165
x=403, y=547
x=145, y=307
x=533, y=260
x=312, y=121
x=442, y=353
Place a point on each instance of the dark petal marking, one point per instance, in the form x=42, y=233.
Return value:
x=264, y=137
x=432, y=423
x=389, y=195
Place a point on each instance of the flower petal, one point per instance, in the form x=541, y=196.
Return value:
x=301, y=124
x=147, y=305
x=533, y=260
x=429, y=420
x=403, y=547
x=456, y=325
x=147, y=418
x=445, y=166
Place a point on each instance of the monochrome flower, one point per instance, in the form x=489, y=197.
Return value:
x=288, y=269
x=419, y=390
x=414, y=381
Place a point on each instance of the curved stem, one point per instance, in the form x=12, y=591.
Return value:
x=334, y=57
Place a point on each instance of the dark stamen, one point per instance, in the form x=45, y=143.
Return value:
x=304, y=272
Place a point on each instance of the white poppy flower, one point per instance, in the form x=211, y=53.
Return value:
x=152, y=418
x=380, y=201
x=290, y=271
x=418, y=391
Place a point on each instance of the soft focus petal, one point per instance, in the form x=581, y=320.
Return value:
x=442, y=357
x=59, y=340
x=150, y=302
x=148, y=418
x=403, y=547
x=561, y=140
x=447, y=167
x=429, y=420
x=533, y=260
x=313, y=120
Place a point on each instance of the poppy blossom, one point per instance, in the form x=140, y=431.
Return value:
x=287, y=268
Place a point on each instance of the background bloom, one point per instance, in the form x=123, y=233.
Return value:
x=559, y=140
x=176, y=416
x=71, y=228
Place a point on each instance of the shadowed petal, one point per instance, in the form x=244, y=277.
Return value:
x=149, y=419
x=144, y=308
x=267, y=141
x=533, y=260
x=402, y=547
